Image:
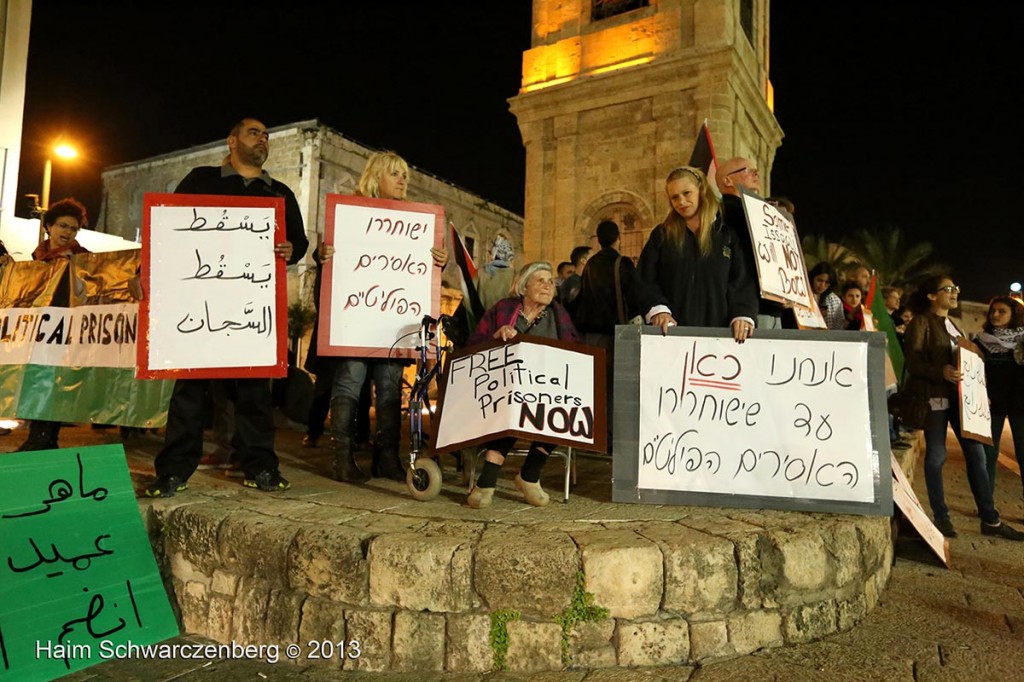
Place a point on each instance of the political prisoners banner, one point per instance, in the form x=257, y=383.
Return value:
x=75, y=363
x=536, y=389
x=786, y=420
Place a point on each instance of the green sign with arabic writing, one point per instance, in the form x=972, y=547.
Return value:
x=77, y=575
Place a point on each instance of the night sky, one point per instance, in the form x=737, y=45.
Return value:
x=893, y=115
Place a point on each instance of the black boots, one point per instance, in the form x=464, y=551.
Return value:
x=343, y=416
x=385, y=447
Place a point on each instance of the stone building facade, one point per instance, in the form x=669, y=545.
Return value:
x=613, y=95
x=313, y=160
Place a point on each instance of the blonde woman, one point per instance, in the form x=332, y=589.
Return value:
x=386, y=176
x=696, y=264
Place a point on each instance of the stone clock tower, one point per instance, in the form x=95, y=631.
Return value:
x=614, y=93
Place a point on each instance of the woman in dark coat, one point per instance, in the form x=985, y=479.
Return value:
x=1002, y=334
x=696, y=263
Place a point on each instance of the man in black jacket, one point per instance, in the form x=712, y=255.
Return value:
x=242, y=175
x=596, y=309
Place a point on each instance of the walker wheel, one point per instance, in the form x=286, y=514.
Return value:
x=424, y=479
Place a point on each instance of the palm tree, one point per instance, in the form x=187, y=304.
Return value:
x=895, y=260
x=818, y=248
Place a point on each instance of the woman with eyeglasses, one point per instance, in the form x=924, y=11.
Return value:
x=62, y=221
x=931, y=361
x=531, y=311
x=696, y=262
x=1002, y=334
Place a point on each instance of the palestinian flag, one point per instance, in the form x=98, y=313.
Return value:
x=471, y=300
x=703, y=155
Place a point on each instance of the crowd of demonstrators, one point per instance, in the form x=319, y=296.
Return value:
x=385, y=176
x=933, y=375
x=61, y=222
x=1001, y=343
x=823, y=284
x=244, y=176
x=494, y=280
x=694, y=263
x=531, y=311
x=569, y=289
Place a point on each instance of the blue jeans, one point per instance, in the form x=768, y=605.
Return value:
x=349, y=375
x=935, y=457
x=992, y=451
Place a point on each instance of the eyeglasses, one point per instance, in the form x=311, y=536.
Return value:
x=753, y=171
x=949, y=289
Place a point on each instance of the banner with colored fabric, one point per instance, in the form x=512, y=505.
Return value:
x=75, y=363
x=471, y=300
x=78, y=580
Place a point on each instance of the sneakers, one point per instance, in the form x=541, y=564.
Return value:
x=166, y=486
x=480, y=497
x=945, y=527
x=532, y=492
x=268, y=481
x=1003, y=530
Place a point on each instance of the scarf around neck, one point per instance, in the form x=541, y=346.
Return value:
x=1000, y=340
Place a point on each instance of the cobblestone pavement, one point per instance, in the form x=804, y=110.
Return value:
x=964, y=623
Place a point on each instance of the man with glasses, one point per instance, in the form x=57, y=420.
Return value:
x=735, y=173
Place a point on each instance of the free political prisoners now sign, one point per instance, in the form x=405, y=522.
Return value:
x=381, y=280
x=537, y=389
x=78, y=580
x=781, y=272
x=216, y=299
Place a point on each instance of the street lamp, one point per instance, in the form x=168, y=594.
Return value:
x=64, y=151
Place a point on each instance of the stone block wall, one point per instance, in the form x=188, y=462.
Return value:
x=676, y=592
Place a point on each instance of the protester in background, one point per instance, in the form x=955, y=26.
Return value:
x=494, y=281
x=852, y=309
x=732, y=176
x=532, y=311
x=1004, y=377
x=861, y=276
x=891, y=297
x=611, y=293
x=386, y=176
x=5, y=257
x=693, y=264
x=565, y=269
x=243, y=176
x=933, y=375
x=901, y=318
x=823, y=282
x=61, y=222
x=570, y=288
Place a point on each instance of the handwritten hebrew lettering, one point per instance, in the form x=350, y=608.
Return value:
x=777, y=418
x=383, y=278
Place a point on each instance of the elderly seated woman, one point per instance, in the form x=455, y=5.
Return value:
x=533, y=311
